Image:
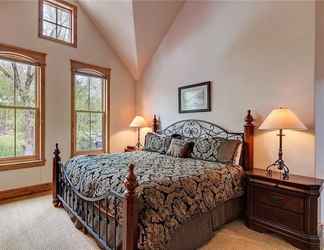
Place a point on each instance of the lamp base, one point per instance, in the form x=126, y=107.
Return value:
x=281, y=165
x=138, y=145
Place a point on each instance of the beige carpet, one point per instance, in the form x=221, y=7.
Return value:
x=34, y=224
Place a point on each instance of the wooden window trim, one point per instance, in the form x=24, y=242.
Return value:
x=92, y=70
x=65, y=5
x=38, y=59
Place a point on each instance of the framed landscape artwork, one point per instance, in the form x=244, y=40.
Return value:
x=194, y=98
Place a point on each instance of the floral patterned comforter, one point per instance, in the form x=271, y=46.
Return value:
x=172, y=189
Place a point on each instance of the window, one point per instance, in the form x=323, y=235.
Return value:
x=21, y=108
x=57, y=21
x=90, y=108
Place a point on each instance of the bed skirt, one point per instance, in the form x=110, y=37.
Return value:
x=196, y=232
x=200, y=229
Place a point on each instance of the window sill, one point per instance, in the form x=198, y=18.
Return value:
x=72, y=44
x=19, y=165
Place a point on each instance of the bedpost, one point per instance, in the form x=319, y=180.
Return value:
x=55, y=175
x=248, y=140
x=155, y=124
x=130, y=211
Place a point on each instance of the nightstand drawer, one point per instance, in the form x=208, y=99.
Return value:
x=280, y=200
x=279, y=216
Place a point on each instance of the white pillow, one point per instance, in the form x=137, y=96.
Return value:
x=237, y=156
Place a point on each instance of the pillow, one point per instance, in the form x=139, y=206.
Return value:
x=157, y=143
x=237, y=156
x=180, y=148
x=215, y=149
x=227, y=150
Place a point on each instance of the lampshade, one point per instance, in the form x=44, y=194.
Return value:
x=282, y=118
x=138, y=122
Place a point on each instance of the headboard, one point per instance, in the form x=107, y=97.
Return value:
x=202, y=129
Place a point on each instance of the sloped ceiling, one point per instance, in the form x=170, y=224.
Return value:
x=134, y=28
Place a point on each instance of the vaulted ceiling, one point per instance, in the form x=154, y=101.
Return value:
x=133, y=28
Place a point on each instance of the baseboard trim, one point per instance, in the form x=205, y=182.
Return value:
x=7, y=195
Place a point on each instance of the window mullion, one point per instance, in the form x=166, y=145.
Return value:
x=37, y=73
x=88, y=93
x=56, y=23
x=49, y=21
x=103, y=97
x=18, y=107
x=65, y=27
x=86, y=111
x=103, y=114
x=15, y=111
x=90, y=130
x=15, y=133
x=89, y=112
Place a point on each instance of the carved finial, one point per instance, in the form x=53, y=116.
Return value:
x=57, y=152
x=130, y=181
x=249, y=119
x=155, y=124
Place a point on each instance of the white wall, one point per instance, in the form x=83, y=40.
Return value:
x=19, y=27
x=259, y=56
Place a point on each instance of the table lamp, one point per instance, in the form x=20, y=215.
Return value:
x=280, y=119
x=138, y=122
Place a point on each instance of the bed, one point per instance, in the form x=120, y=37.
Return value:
x=148, y=200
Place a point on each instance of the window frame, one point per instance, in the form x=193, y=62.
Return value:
x=95, y=71
x=63, y=5
x=38, y=59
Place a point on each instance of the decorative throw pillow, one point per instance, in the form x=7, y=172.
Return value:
x=215, y=149
x=237, y=155
x=227, y=150
x=157, y=143
x=180, y=148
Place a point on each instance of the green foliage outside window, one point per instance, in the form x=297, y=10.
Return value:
x=89, y=112
x=17, y=108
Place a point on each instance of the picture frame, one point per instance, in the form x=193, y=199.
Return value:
x=194, y=98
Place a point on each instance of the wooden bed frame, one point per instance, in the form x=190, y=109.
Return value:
x=78, y=205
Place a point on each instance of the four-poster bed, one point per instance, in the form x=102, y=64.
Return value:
x=114, y=219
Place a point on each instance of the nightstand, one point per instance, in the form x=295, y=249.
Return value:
x=289, y=208
x=130, y=149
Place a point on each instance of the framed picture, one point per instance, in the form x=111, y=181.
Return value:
x=194, y=98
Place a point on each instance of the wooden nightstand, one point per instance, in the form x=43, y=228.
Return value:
x=289, y=208
x=130, y=149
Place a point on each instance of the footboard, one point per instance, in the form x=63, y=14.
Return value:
x=111, y=220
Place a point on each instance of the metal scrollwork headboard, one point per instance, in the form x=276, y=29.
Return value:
x=199, y=129
x=204, y=129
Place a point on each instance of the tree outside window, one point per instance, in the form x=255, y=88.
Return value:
x=17, y=108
